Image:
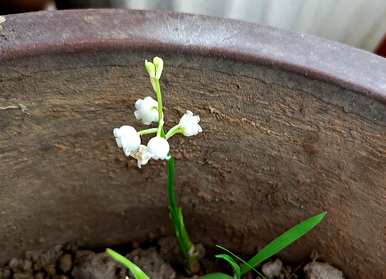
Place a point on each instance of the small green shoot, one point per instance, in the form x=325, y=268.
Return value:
x=281, y=242
x=235, y=266
x=235, y=257
x=134, y=269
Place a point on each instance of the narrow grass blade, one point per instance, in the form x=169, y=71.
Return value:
x=216, y=276
x=134, y=269
x=235, y=266
x=240, y=260
x=282, y=241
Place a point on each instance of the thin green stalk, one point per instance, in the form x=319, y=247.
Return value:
x=185, y=244
x=159, y=98
x=148, y=131
x=174, y=130
x=160, y=130
x=157, y=90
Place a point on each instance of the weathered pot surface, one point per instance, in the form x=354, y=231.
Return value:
x=293, y=125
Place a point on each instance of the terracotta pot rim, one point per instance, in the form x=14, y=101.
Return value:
x=69, y=31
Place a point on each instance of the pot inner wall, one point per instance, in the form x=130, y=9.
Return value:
x=277, y=147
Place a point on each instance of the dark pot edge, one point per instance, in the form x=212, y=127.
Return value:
x=37, y=33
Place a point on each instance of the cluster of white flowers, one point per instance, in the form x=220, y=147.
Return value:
x=150, y=111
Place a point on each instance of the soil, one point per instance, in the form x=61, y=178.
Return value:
x=157, y=259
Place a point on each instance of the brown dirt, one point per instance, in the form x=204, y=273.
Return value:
x=160, y=260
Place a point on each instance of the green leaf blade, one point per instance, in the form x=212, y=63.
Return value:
x=134, y=269
x=281, y=242
x=241, y=260
x=235, y=266
x=216, y=275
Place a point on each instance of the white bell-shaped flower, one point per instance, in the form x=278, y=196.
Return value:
x=189, y=124
x=146, y=110
x=128, y=139
x=142, y=155
x=158, y=148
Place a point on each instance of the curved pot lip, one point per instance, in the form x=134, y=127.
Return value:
x=98, y=29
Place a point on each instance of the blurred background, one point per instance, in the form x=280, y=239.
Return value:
x=360, y=23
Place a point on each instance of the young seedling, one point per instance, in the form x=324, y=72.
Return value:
x=128, y=138
x=271, y=249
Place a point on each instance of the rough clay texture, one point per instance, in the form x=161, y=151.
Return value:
x=316, y=270
x=159, y=261
x=277, y=147
x=272, y=269
x=71, y=262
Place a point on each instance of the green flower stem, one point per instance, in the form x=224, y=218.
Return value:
x=185, y=244
x=174, y=130
x=160, y=130
x=157, y=89
x=148, y=131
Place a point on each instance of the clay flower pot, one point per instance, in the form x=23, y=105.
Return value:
x=293, y=125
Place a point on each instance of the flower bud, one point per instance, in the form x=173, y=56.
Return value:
x=159, y=65
x=150, y=68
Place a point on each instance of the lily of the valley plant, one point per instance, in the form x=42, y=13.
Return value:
x=150, y=112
